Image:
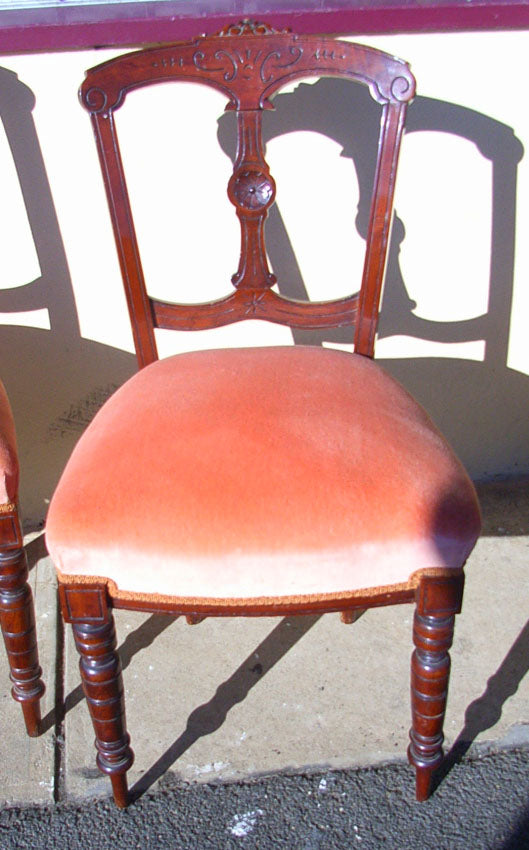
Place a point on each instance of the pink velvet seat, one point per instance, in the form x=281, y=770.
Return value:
x=17, y=615
x=256, y=473
x=258, y=481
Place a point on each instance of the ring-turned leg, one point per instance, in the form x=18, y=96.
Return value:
x=17, y=620
x=103, y=687
x=438, y=600
x=430, y=670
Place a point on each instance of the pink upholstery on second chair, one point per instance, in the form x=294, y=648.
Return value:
x=252, y=473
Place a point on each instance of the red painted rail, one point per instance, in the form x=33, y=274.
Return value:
x=68, y=26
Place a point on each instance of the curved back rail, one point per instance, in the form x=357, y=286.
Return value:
x=249, y=63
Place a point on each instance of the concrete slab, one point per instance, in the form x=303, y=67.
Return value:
x=27, y=765
x=231, y=699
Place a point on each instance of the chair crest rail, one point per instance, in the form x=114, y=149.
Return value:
x=250, y=70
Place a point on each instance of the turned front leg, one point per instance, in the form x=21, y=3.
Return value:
x=430, y=670
x=103, y=687
x=17, y=619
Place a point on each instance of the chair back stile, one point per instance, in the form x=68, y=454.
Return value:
x=249, y=64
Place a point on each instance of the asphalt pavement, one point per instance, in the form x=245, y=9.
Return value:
x=481, y=804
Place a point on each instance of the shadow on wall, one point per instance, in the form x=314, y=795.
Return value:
x=480, y=407
x=55, y=380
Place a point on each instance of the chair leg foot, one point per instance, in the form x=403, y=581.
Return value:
x=120, y=790
x=17, y=620
x=423, y=783
x=103, y=687
x=32, y=718
x=430, y=671
x=424, y=773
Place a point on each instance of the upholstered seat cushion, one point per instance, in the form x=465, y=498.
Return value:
x=260, y=473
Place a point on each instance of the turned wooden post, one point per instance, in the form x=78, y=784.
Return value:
x=430, y=670
x=17, y=619
x=103, y=687
x=438, y=601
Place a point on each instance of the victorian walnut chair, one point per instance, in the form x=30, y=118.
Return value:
x=17, y=614
x=258, y=481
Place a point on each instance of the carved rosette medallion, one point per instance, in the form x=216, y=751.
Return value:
x=253, y=190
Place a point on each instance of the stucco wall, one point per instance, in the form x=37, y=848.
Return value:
x=456, y=301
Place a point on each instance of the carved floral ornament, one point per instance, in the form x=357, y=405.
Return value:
x=253, y=189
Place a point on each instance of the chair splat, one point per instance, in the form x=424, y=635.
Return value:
x=252, y=191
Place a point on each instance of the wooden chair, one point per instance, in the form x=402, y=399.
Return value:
x=17, y=614
x=263, y=481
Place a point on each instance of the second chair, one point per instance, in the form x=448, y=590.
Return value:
x=17, y=613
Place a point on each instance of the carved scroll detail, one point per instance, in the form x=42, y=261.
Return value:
x=230, y=71
x=400, y=88
x=96, y=99
x=295, y=52
x=246, y=63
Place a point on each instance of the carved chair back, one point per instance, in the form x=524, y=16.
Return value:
x=250, y=63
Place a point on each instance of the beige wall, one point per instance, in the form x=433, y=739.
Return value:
x=456, y=299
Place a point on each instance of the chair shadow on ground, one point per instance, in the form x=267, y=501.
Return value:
x=210, y=716
x=480, y=715
x=519, y=840
x=462, y=396
x=484, y=712
x=55, y=379
x=139, y=639
x=40, y=367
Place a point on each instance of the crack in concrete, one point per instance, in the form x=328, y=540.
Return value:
x=59, y=741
